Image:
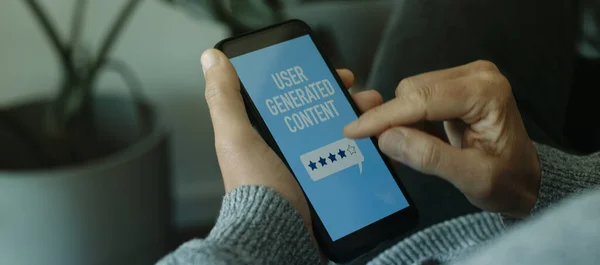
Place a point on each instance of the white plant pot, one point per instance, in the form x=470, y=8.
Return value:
x=113, y=210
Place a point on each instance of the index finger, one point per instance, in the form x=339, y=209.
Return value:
x=433, y=77
x=442, y=101
x=222, y=93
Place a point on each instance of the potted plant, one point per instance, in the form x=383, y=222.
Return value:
x=239, y=15
x=83, y=178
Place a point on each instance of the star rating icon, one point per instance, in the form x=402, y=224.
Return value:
x=322, y=161
x=332, y=157
x=351, y=149
x=312, y=165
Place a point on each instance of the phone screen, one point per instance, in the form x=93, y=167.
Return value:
x=345, y=180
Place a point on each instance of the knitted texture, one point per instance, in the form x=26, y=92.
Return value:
x=257, y=226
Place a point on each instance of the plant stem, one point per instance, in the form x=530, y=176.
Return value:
x=77, y=23
x=51, y=33
x=112, y=35
x=80, y=97
x=135, y=87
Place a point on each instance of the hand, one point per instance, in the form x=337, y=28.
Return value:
x=490, y=157
x=244, y=157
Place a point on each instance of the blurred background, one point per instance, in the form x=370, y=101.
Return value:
x=107, y=152
x=161, y=44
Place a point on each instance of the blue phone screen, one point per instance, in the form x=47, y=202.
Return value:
x=297, y=96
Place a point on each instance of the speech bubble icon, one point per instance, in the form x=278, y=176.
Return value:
x=332, y=158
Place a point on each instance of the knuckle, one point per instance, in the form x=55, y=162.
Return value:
x=419, y=96
x=504, y=87
x=379, y=112
x=420, y=99
x=485, y=65
x=488, y=76
x=493, y=85
x=404, y=85
x=430, y=158
x=497, y=88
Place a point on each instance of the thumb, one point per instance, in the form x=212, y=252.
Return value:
x=430, y=155
x=227, y=109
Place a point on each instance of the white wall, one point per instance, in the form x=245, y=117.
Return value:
x=162, y=44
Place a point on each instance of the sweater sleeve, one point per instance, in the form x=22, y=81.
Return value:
x=255, y=226
x=564, y=175
x=566, y=232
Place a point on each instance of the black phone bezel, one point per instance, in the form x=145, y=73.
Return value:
x=358, y=242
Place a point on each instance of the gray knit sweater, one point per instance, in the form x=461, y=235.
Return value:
x=257, y=226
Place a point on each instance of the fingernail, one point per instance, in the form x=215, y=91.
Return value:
x=391, y=142
x=209, y=59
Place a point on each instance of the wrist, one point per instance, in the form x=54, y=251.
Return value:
x=537, y=176
x=529, y=183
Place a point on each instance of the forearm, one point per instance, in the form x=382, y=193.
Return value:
x=564, y=175
x=255, y=226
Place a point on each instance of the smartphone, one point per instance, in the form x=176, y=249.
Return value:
x=297, y=102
